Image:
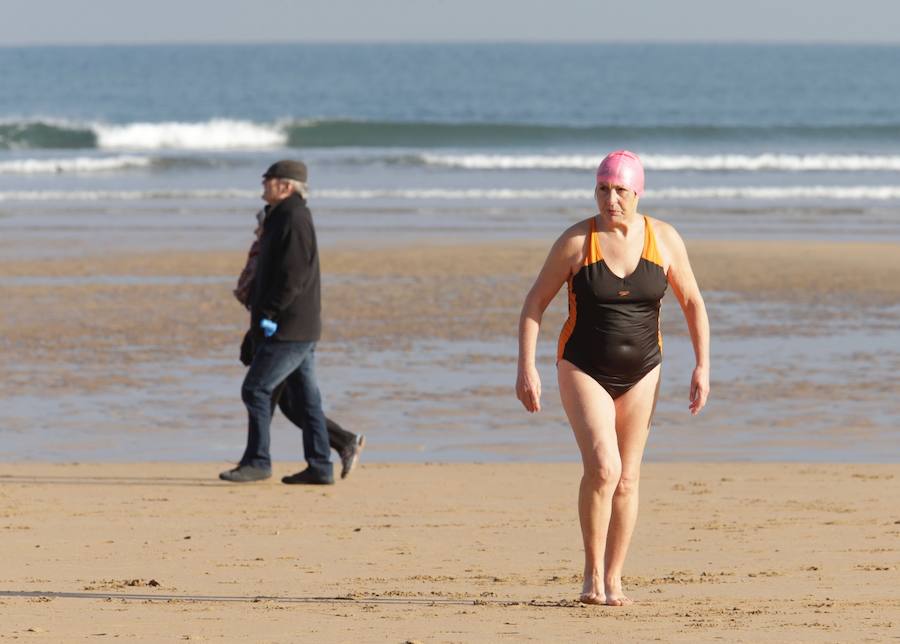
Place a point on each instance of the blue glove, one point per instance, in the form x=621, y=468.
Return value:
x=268, y=327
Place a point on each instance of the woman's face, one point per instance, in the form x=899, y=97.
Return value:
x=615, y=201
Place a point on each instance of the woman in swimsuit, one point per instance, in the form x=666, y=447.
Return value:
x=617, y=265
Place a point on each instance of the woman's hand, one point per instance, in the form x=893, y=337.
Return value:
x=699, y=389
x=528, y=388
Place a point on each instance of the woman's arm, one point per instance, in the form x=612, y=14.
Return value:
x=564, y=254
x=681, y=277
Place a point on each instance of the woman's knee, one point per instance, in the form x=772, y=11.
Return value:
x=602, y=473
x=628, y=484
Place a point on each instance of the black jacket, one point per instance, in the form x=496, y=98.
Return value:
x=287, y=287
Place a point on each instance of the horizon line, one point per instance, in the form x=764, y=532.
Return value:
x=451, y=41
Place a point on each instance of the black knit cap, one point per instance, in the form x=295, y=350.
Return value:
x=287, y=169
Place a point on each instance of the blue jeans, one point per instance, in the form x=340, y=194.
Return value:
x=294, y=364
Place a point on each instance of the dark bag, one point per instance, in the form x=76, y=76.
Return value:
x=248, y=347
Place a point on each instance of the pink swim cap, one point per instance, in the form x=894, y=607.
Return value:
x=622, y=168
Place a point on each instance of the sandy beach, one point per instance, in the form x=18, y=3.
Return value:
x=440, y=173
x=441, y=552
x=170, y=302
x=444, y=553
x=148, y=340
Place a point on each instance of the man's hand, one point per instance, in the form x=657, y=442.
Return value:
x=268, y=327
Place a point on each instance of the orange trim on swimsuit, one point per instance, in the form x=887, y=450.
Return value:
x=651, y=254
x=569, y=324
x=591, y=257
x=651, y=250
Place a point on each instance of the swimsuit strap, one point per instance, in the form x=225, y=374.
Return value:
x=593, y=255
x=651, y=250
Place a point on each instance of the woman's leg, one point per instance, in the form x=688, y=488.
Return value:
x=634, y=411
x=592, y=414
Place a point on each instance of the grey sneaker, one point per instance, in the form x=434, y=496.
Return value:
x=350, y=456
x=245, y=474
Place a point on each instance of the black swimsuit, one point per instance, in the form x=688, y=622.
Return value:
x=612, y=333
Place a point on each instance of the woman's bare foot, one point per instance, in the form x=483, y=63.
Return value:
x=592, y=598
x=619, y=600
x=615, y=596
x=590, y=590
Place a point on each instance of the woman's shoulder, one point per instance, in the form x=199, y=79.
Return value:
x=664, y=231
x=568, y=251
x=577, y=231
x=572, y=240
x=668, y=240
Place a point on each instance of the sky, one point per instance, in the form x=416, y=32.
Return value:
x=30, y=22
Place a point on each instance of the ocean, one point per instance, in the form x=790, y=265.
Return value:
x=162, y=147
x=727, y=132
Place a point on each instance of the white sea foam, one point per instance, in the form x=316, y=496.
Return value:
x=445, y=193
x=124, y=195
x=787, y=162
x=512, y=162
x=875, y=193
x=872, y=193
x=217, y=134
x=761, y=193
x=709, y=163
x=77, y=164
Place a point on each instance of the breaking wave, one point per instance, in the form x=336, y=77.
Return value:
x=856, y=193
x=78, y=164
x=236, y=134
x=708, y=163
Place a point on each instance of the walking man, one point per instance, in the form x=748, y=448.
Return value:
x=286, y=311
x=348, y=445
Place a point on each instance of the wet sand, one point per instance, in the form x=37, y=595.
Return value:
x=108, y=353
x=443, y=553
x=167, y=303
x=452, y=552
